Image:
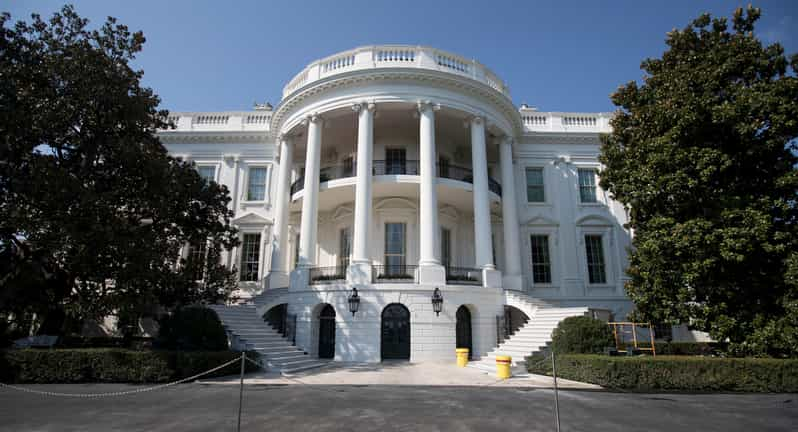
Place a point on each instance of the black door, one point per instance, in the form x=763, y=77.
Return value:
x=464, y=329
x=327, y=332
x=395, y=332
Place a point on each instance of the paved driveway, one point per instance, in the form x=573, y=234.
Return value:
x=296, y=408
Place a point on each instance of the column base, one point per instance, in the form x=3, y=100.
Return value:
x=358, y=273
x=299, y=279
x=513, y=282
x=491, y=278
x=431, y=274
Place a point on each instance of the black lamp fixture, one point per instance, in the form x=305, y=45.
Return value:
x=354, y=301
x=437, y=301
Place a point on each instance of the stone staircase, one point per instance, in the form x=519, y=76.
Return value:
x=249, y=331
x=532, y=337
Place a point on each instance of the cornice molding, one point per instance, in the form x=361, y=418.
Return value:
x=220, y=137
x=449, y=81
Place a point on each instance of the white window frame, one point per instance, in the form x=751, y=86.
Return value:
x=600, y=198
x=545, y=185
x=606, y=234
x=245, y=186
x=552, y=232
x=214, y=165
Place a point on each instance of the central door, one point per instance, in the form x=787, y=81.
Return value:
x=464, y=329
x=327, y=332
x=395, y=332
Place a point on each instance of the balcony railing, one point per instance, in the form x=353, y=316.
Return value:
x=322, y=275
x=463, y=275
x=463, y=174
x=397, y=167
x=395, y=56
x=394, y=273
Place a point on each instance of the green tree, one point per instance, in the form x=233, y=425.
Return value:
x=93, y=211
x=703, y=155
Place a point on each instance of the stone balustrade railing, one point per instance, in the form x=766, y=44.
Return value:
x=537, y=121
x=395, y=56
x=220, y=121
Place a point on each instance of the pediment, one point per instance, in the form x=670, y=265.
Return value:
x=540, y=220
x=595, y=220
x=251, y=219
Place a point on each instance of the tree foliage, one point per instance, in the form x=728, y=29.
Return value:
x=93, y=211
x=703, y=154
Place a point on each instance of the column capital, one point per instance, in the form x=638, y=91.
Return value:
x=312, y=118
x=358, y=106
x=474, y=119
x=427, y=105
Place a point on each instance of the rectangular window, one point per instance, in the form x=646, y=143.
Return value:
x=663, y=331
x=534, y=185
x=541, y=263
x=196, y=260
x=443, y=167
x=395, y=248
x=344, y=248
x=594, y=250
x=250, y=257
x=348, y=167
x=587, y=185
x=296, y=251
x=395, y=161
x=207, y=172
x=446, y=247
x=256, y=187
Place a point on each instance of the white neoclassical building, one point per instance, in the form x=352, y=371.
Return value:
x=394, y=171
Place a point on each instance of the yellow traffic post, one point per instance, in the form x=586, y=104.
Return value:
x=503, y=366
x=462, y=356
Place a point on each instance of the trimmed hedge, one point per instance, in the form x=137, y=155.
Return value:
x=581, y=334
x=691, y=348
x=105, y=365
x=674, y=373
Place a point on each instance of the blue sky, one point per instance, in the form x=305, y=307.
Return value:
x=555, y=55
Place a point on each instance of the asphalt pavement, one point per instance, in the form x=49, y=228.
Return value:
x=197, y=407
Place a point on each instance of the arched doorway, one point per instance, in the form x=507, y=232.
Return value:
x=464, y=329
x=395, y=344
x=276, y=317
x=327, y=332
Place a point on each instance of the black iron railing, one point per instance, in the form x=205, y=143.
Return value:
x=395, y=167
x=394, y=273
x=320, y=275
x=463, y=276
x=463, y=174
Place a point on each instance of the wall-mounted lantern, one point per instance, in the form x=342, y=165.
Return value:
x=437, y=301
x=354, y=301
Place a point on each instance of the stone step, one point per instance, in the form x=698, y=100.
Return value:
x=311, y=364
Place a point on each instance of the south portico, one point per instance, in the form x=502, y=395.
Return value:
x=429, y=176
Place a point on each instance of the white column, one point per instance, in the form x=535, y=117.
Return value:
x=359, y=271
x=278, y=275
x=479, y=166
x=430, y=269
x=310, y=194
x=512, y=248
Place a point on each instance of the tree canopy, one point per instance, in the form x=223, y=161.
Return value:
x=93, y=211
x=702, y=153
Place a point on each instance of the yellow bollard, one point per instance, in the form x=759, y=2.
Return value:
x=462, y=356
x=503, y=366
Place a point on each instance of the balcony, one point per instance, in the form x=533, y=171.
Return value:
x=404, y=167
x=395, y=56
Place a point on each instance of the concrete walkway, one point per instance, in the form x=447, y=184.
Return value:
x=401, y=374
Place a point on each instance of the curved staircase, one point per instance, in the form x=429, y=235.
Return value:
x=532, y=337
x=245, y=327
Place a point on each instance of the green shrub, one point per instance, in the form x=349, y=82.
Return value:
x=682, y=373
x=113, y=365
x=691, y=348
x=194, y=328
x=581, y=334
